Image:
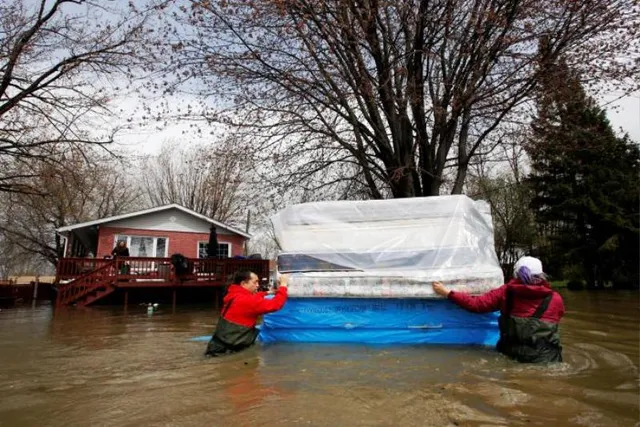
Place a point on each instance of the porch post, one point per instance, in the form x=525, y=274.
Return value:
x=126, y=299
x=174, y=300
x=35, y=291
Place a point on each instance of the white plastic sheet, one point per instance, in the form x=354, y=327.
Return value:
x=387, y=248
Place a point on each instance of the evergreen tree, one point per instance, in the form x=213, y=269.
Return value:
x=586, y=184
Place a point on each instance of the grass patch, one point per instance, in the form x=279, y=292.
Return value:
x=559, y=283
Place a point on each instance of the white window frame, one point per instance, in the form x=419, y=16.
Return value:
x=206, y=242
x=155, y=243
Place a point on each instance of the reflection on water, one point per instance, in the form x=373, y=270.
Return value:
x=102, y=366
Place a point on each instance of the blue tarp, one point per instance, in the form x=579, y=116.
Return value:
x=378, y=321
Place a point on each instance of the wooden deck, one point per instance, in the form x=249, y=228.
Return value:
x=82, y=281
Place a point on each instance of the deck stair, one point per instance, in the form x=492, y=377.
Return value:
x=89, y=287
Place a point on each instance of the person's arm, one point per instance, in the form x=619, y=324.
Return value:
x=485, y=303
x=263, y=305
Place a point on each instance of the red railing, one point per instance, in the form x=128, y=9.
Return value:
x=222, y=270
x=161, y=270
x=144, y=268
x=72, y=268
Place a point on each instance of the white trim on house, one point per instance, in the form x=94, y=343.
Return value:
x=229, y=252
x=153, y=210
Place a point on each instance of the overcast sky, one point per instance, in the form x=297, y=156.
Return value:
x=624, y=114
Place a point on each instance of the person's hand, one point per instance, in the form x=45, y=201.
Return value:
x=283, y=280
x=440, y=289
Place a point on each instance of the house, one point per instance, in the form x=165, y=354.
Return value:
x=157, y=232
x=87, y=272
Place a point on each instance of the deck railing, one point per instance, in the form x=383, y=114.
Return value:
x=72, y=268
x=145, y=269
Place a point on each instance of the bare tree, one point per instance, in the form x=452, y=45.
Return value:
x=384, y=94
x=80, y=185
x=509, y=198
x=14, y=261
x=500, y=180
x=211, y=180
x=58, y=62
x=264, y=241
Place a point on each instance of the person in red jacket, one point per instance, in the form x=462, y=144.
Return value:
x=236, y=330
x=529, y=313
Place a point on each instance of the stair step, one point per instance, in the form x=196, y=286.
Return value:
x=92, y=298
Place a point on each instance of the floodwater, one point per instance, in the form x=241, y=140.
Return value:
x=105, y=367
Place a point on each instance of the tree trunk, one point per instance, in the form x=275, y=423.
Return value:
x=402, y=185
x=461, y=175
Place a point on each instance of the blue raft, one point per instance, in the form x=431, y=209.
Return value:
x=378, y=321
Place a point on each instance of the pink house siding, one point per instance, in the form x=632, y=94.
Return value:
x=182, y=242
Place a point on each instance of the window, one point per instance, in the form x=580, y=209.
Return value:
x=224, y=250
x=144, y=246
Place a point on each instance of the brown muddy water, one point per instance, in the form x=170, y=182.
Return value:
x=105, y=367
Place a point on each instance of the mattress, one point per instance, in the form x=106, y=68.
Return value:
x=431, y=259
x=391, y=284
x=423, y=232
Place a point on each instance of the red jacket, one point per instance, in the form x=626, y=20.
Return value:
x=246, y=307
x=526, y=299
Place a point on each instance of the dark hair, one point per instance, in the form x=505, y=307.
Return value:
x=241, y=276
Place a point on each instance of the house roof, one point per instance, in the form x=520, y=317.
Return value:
x=149, y=211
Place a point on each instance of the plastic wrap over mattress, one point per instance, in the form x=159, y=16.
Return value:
x=387, y=248
x=378, y=321
x=386, y=284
